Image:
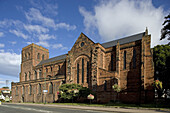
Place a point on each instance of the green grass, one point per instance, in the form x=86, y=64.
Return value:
x=121, y=105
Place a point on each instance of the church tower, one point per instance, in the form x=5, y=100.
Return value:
x=32, y=55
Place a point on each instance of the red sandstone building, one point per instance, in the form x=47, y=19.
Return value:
x=127, y=62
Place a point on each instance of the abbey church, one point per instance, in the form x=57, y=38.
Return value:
x=127, y=62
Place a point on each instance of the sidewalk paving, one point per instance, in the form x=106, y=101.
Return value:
x=104, y=109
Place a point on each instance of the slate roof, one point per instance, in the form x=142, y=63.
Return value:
x=124, y=40
x=61, y=57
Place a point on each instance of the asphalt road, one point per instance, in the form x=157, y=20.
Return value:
x=14, y=108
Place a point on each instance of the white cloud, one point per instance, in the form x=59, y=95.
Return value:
x=35, y=15
x=13, y=42
x=65, y=26
x=9, y=63
x=2, y=45
x=35, y=28
x=57, y=46
x=19, y=34
x=1, y=34
x=46, y=37
x=114, y=19
x=43, y=43
x=1, y=50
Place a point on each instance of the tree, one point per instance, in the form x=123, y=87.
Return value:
x=161, y=58
x=165, y=31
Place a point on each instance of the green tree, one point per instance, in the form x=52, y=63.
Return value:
x=161, y=57
x=165, y=31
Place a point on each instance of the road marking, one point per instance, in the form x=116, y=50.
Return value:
x=31, y=109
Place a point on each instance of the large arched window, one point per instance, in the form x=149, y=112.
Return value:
x=35, y=75
x=134, y=58
x=25, y=76
x=38, y=56
x=25, y=56
x=50, y=88
x=124, y=60
x=28, y=55
x=29, y=75
x=87, y=72
x=77, y=73
x=82, y=70
x=43, y=57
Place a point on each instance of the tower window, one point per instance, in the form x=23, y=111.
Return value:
x=51, y=69
x=23, y=90
x=25, y=56
x=47, y=70
x=124, y=59
x=40, y=73
x=28, y=55
x=77, y=73
x=16, y=90
x=134, y=59
x=29, y=75
x=25, y=76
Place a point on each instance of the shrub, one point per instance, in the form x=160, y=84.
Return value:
x=68, y=92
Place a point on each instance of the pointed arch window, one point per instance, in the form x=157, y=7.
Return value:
x=82, y=70
x=87, y=72
x=16, y=90
x=29, y=75
x=50, y=88
x=39, y=88
x=105, y=85
x=124, y=60
x=30, y=89
x=35, y=74
x=23, y=90
x=38, y=56
x=28, y=55
x=25, y=76
x=40, y=73
x=46, y=70
x=111, y=62
x=134, y=58
x=77, y=73
x=25, y=56
x=43, y=57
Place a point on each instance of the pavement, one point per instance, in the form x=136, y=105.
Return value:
x=104, y=109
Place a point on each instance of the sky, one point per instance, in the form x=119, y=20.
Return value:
x=56, y=25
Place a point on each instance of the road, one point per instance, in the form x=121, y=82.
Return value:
x=41, y=108
x=15, y=108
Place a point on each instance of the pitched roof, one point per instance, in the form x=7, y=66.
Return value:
x=61, y=57
x=124, y=40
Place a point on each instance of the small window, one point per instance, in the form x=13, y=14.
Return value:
x=43, y=57
x=16, y=90
x=87, y=72
x=39, y=88
x=28, y=55
x=38, y=56
x=25, y=56
x=40, y=73
x=35, y=75
x=51, y=69
x=50, y=88
x=23, y=90
x=30, y=89
x=111, y=62
x=105, y=85
x=46, y=70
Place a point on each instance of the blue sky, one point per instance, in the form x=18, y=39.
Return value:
x=56, y=24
